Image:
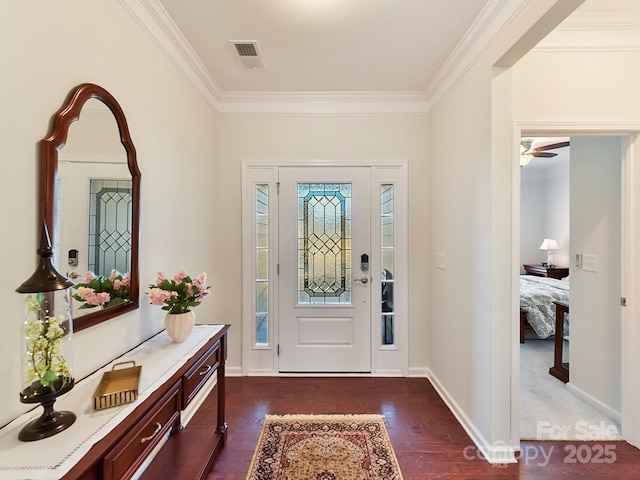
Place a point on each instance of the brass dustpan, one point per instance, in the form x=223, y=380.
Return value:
x=117, y=387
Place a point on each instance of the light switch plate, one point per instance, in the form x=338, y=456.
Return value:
x=441, y=261
x=590, y=263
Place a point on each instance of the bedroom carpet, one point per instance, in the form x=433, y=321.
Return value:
x=548, y=411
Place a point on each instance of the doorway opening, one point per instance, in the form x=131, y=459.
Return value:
x=562, y=206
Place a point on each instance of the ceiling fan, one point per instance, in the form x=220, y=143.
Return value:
x=527, y=153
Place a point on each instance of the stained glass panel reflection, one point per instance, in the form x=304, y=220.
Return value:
x=324, y=243
x=109, y=226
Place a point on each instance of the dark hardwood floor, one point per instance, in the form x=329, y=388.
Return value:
x=427, y=439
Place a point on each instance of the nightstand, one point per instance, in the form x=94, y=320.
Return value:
x=540, y=270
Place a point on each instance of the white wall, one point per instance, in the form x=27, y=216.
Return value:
x=47, y=48
x=595, y=296
x=544, y=213
x=589, y=87
x=556, y=216
x=286, y=139
x=532, y=190
x=471, y=169
x=459, y=213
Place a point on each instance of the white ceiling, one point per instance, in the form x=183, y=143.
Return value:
x=326, y=45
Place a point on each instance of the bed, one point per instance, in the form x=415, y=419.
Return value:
x=537, y=309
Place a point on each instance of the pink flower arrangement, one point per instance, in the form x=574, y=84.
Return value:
x=99, y=291
x=180, y=294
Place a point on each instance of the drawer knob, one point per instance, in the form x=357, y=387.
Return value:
x=206, y=369
x=150, y=437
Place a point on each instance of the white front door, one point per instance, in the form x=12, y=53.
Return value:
x=324, y=281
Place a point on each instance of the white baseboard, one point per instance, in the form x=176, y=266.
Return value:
x=387, y=373
x=419, y=372
x=606, y=410
x=498, y=452
x=263, y=373
x=232, y=371
x=237, y=372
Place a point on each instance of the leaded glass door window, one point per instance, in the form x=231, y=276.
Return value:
x=324, y=243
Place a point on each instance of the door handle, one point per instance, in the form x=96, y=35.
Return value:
x=363, y=280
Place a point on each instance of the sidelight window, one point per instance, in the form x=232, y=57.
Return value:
x=262, y=264
x=387, y=242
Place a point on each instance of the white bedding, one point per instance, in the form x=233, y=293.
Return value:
x=537, y=295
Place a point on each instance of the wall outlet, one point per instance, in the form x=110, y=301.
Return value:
x=590, y=263
x=441, y=261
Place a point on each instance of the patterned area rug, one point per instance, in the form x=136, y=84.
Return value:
x=324, y=447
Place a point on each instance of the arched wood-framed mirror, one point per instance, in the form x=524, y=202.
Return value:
x=90, y=100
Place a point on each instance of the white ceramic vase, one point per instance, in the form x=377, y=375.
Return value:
x=179, y=325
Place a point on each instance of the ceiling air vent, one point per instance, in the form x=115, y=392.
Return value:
x=249, y=54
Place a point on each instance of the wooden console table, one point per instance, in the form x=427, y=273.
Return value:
x=560, y=370
x=120, y=442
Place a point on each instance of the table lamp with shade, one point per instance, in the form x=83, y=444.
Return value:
x=46, y=344
x=549, y=244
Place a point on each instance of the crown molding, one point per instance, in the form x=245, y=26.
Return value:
x=323, y=103
x=157, y=23
x=595, y=32
x=569, y=128
x=492, y=21
x=601, y=20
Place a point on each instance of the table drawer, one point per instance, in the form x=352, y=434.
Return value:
x=128, y=454
x=197, y=375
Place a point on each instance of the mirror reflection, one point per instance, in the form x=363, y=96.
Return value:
x=90, y=191
x=94, y=210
